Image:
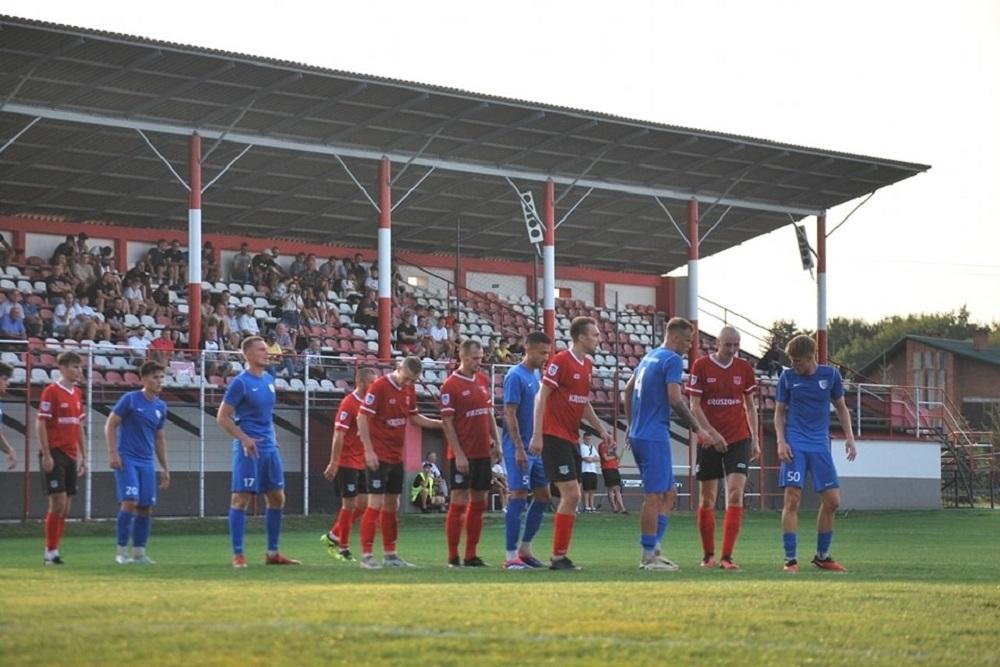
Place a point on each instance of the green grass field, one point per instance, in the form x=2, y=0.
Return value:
x=924, y=587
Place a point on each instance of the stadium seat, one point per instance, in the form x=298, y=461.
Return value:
x=296, y=384
x=40, y=375
x=19, y=376
x=11, y=358
x=280, y=384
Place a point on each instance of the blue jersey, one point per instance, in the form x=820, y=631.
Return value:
x=807, y=420
x=650, y=403
x=141, y=419
x=252, y=399
x=519, y=388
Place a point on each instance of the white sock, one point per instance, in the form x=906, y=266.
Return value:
x=138, y=552
x=271, y=554
x=511, y=555
x=122, y=550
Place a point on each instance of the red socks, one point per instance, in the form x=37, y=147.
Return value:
x=369, y=524
x=342, y=527
x=706, y=526
x=453, y=528
x=473, y=528
x=54, y=524
x=390, y=530
x=731, y=530
x=562, y=533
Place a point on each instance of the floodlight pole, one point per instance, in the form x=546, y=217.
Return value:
x=549, y=258
x=194, y=245
x=384, y=259
x=821, y=339
x=693, y=278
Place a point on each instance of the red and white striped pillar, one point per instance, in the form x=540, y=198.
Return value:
x=384, y=260
x=821, y=338
x=549, y=259
x=194, y=245
x=693, y=278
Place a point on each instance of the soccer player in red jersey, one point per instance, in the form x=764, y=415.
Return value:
x=472, y=435
x=722, y=387
x=347, y=467
x=62, y=444
x=563, y=401
x=390, y=404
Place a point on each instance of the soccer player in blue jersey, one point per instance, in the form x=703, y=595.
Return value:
x=802, y=422
x=525, y=471
x=134, y=434
x=651, y=393
x=247, y=414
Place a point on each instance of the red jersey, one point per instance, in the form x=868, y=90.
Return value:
x=722, y=390
x=569, y=377
x=62, y=410
x=608, y=461
x=470, y=402
x=389, y=407
x=352, y=451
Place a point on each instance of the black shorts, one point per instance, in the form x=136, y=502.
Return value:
x=561, y=459
x=589, y=481
x=350, y=482
x=62, y=479
x=612, y=477
x=480, y=477
x=715, y=465
x=387, y=479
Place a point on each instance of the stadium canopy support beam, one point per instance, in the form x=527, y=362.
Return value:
x=194, y=245
x=821, y=338
x=549, y=257
x=693, y=278
x=385, y=259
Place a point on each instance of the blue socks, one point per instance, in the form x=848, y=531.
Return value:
x=823, y=542
x=140, y=531
x=648, y=543
x=661, y=527
x=512, y=521
x=536, y=512
x=124, y=527
x=790, y=540
x=272, y=521
x=237, y=526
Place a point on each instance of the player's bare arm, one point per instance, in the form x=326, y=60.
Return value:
x=161, y=457
x=224, y=418
x=629, y=391
x=844, y=414
x=784, y=451
x=43, y=444
x=712, y=438
x=81, y=451
x=514, y=429
x=9, y=451
x=425, y=422
x=751, y=409
x=335, y=447
x=541, y=400
x=591, y=418
x=451, y=435
x=111, y=437
x=679, y=406
x=364, y=432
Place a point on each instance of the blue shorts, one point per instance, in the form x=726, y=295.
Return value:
x=656, y=467
x=136, y=481
x=258, y=474
x=820, y=464
x=526, y=479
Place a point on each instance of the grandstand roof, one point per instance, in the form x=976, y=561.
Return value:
x=84, y=159
x=962, y=348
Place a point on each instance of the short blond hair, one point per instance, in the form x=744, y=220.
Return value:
x=801, y=346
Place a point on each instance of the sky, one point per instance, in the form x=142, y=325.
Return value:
x=907, y=80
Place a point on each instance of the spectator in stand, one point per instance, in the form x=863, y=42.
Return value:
x=349, y=288
x=57, y=287
x=517, y=350
x=82, y=244
x=134, y=295
x=138, y=343
x=232, y=330
x=455, y=339
x=60, y=319
x=103, y=260
x=207, y=308
x=161, y=302
x=503, y=354
x=7, y=252
x=398, y=285
x=212, y=347
x=141, y=272
x=292, y=305
x=285, y=338
x=452, y=318
x=239, y=269
x=589, y=467
x=265, y=269
x=32, y=318
x=424, y=492
x=772, y=361
x=314, y=352
x=114, y=317
x=177, y=260
x=84, y=324
x=490, y=353
x=298, y=266
x=371, y=282
x=499, y=483
x=248, y=323
x=157, y=260
x=209, y=267
x=311, y=316
x=366, y=314
x=274, y=355
x=311, y=277
x=441, y=337
x=161, y=348
x=330, y=269
x=360, y=268
x=12, y=325
x=104, y=291
x=83, y=271
x=406, y=336
x=424, y=333
x=66, y=249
